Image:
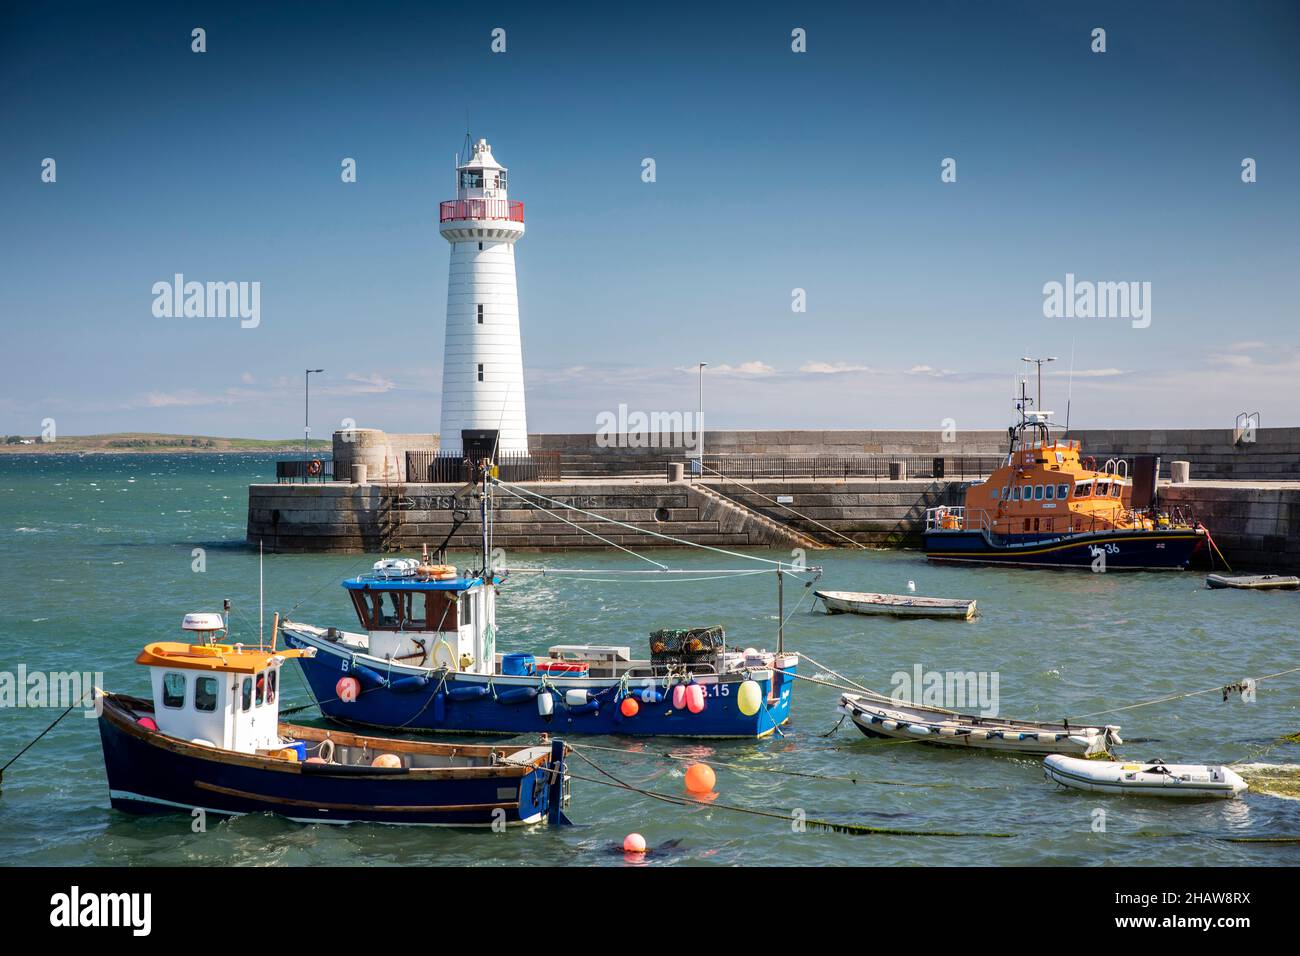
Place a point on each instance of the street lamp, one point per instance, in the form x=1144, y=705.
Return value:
x=306, y=409
x=1040, y=362
x=699, y=423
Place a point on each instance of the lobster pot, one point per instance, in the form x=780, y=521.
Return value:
x=696, y=645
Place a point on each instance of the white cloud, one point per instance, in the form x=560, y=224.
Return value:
x=831, y=368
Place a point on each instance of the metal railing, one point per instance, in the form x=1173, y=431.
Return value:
x=440, y=468
x=755, y=467
x=507, y=209
x=305, y=470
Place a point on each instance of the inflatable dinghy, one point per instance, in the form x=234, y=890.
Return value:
x=1153, y=778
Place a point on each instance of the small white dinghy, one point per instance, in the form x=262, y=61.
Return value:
x=1253, y=582
x=896, y=605
x=1153, y=778
x=876, y=718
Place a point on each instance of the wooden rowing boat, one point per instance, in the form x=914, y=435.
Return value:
x=896, y=605
x=1254, y=582
x=875, y=718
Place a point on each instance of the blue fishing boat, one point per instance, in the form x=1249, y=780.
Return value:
x=426, y=658
x=211, y=739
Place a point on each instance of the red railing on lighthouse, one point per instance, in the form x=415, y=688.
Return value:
x=506, y=209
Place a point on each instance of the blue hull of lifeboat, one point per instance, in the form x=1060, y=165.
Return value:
x=1171, y=550
x=472, y=704
x=149, y=773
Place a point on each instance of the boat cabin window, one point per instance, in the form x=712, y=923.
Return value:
x=261, y=689
x=271, y=680
x=246, y=694
x=1038, y=492
x=995, y=494
x=1016, y=493
x=1062, y=491
x=1083, y=489
x=1006, y=492
x=1049, y=492
x=466, y=610
x=1116, y=489
x=1102, y=489
x=173, y=690
x=205, y=694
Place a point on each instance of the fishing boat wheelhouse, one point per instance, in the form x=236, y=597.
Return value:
x=211, y=739
x=1050, y=505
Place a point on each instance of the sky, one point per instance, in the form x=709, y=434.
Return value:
x=775, y=171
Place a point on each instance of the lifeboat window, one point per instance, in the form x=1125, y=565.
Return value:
x=1102, y=489
x=1015, y=493
x=1050, y=492
x=1026, y=524
x=261, y=689
x=1115, y=490
x=1062, y=491
x=205, y=694
x=995, y=494
x=1006, y=492
x=1038, y=492
x=246, y=694
x=173, y=690
x=1083, y=489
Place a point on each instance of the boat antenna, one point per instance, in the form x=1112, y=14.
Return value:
x=261, y=605
x=1069, y=389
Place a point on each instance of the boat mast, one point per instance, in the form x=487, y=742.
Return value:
x=780, y=609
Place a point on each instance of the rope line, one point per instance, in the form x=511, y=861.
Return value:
x=1194, y=693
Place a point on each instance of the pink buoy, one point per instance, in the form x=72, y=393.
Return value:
x=347, y=689
x=679, y=697
x=634, y=843
x=147, y=723
x=695, y=698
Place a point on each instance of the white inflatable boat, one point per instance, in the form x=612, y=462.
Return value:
x=1153, y=778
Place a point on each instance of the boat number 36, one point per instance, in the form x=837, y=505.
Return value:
x=1107, y=548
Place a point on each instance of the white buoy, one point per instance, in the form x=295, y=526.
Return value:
x=911, y=585
x=545, y=704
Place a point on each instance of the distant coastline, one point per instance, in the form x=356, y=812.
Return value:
x=127, y=443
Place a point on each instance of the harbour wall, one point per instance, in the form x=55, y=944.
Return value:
x=1268, y=454
x=1257, y=525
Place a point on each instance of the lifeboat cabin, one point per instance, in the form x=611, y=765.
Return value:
x=1049, y=505
x=211, y=740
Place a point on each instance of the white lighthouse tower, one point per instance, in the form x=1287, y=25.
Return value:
x=482, y=364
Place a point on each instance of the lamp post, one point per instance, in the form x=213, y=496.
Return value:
x=306, y=409
x=699, y=424
x=1040, y=362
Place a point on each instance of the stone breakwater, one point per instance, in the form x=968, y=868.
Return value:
x=1256, y=524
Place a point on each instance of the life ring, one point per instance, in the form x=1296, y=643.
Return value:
x=313, y=466
x=439, y=572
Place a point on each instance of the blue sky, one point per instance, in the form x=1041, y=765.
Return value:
x=775, y=171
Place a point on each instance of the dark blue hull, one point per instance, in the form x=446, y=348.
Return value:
x=1171, y=550
x=150, y=773
x=508, y=705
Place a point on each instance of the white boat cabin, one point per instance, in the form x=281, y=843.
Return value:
x=220, y=695
x=427, y=616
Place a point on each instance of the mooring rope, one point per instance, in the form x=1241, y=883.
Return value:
x=784, y=565
x=855, y=828
x=32, y=742
x=1220, y=689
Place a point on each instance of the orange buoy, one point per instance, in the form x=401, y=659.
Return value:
x=629, y=707
x=387, y=760
x=347, y=689
x=700, y=778
x=634, y=843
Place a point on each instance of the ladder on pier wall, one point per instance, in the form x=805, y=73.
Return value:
x=391, y=520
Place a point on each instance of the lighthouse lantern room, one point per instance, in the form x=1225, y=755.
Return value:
x=483, y=369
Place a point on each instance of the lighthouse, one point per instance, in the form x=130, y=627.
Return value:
x=482, y=362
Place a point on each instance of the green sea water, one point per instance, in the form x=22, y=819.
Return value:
x=97, y=558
